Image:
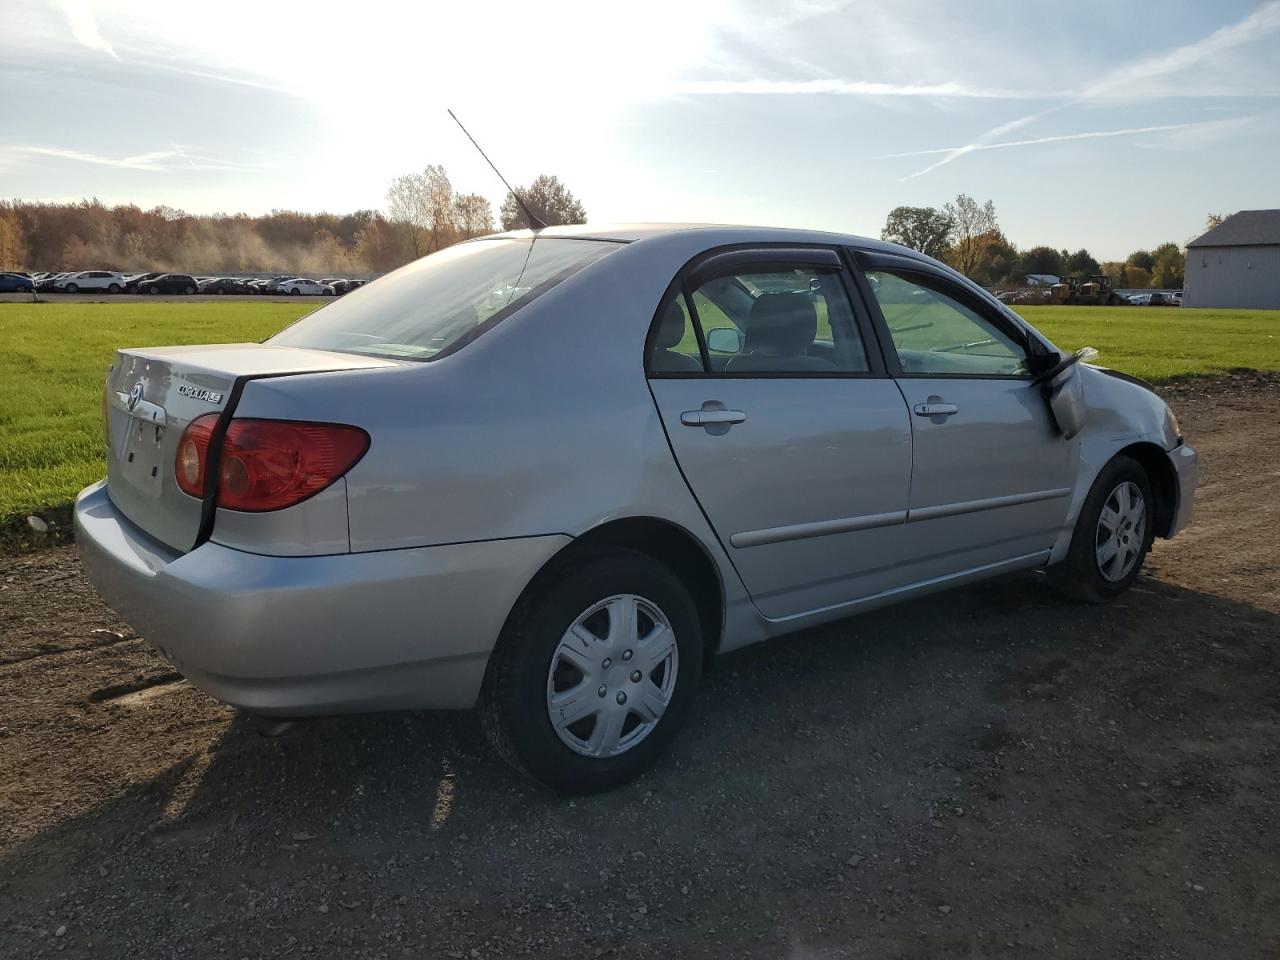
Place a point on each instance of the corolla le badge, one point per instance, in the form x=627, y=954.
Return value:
x=199, y=393
x=135, y=395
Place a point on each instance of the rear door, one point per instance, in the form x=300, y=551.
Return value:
x=783, y=420
x=992, y=475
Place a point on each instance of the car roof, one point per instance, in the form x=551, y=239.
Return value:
x=717, y=233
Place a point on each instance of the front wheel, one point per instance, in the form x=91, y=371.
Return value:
x=153, y=290
x=72, y=288
x=114, y=288
x=1112, y=535
x=595, y=671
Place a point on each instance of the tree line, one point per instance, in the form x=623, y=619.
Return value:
x=423, y=214
x=966, y=235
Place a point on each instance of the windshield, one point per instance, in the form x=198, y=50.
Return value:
x=439, y=303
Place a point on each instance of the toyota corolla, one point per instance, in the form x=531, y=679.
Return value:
x=553, y=475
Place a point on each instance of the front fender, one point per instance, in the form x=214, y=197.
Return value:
x=1118, y=412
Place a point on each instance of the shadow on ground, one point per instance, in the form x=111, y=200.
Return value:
x=992, y=771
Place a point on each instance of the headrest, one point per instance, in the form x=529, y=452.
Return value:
x=671, y=328
x=783, y=324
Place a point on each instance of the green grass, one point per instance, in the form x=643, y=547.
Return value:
x=53, y=363
x=54, y=357
x=1163, y=343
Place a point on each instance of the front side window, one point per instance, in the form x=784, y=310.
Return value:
x=937, y=333
x=442, y=300
x=766, y=319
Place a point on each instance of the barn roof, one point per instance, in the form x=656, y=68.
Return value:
x=1248, y=228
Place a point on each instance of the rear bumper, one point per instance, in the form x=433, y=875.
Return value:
x=1187, y=470
x=291, y=636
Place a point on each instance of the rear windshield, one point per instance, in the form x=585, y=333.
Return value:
x=439, y=303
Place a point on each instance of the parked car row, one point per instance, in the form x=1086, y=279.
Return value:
x=108, y=281
x=1157, y=299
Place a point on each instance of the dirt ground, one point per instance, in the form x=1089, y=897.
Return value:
x=991, y=772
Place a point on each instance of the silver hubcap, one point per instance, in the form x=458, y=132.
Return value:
x=1122, y=530
x=612, y=676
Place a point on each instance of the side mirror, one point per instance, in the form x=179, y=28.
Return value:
x=1040, y=358
x=725, y=340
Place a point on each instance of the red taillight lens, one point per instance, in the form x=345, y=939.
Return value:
x=193, y=454
x=270, y=464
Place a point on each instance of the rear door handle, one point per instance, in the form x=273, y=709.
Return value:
x=710, y=418
x=934, y=409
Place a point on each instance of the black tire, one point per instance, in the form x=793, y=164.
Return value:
x=1079, y=575
x=189, y=291
x=293, y=292
x=513, y=701
x=72, y=288
x=114, y=288
x=153, y=289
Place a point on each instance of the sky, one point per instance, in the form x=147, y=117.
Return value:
x=1107, y=125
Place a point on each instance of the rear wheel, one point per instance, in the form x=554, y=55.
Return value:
x=595, y=672
x=188, y=290
x=114, y=288
x=1112, y=535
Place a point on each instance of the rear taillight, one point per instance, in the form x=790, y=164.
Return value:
x=192, y=460
x=268, y=464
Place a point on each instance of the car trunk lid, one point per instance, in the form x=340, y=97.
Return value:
x=153, y=393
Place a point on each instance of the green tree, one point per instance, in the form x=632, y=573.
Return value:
x=926, y=229
x=1042, y=260
x=550, y=201
x=1082, y=264
x=1142, y=259
x=1168, y=266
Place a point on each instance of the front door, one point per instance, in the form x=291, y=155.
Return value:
x=792, y=437
x=992, y=475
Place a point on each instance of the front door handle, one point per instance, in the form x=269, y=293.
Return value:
x=935, y=409
x=711, y=418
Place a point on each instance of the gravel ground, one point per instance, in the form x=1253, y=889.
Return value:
x=991, y=772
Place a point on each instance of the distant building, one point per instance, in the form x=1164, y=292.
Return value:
x=1042, y=280
x=1236, y=264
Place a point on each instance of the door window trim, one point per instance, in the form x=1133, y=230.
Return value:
x=865, y=260
x=723, y=260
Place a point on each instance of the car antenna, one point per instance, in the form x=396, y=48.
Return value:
x=535, y=223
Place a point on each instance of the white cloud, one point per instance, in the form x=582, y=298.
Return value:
x=84, y=26
x=1136, y=78
x=155, y=161
x=1126, y=82
x=835, y=86
x=1065, y=137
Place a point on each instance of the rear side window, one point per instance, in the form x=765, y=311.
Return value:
x=439, y=303
x=762, y=319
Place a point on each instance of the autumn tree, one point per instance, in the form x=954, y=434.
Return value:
x=473, y=215
x=13, y=248
x=926, y=229
x=550, y=201
x=971, y=221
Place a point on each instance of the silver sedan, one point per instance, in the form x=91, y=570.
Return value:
x=553, y=475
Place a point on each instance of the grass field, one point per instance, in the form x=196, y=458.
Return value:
x=53, y=362
x=53, y=359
